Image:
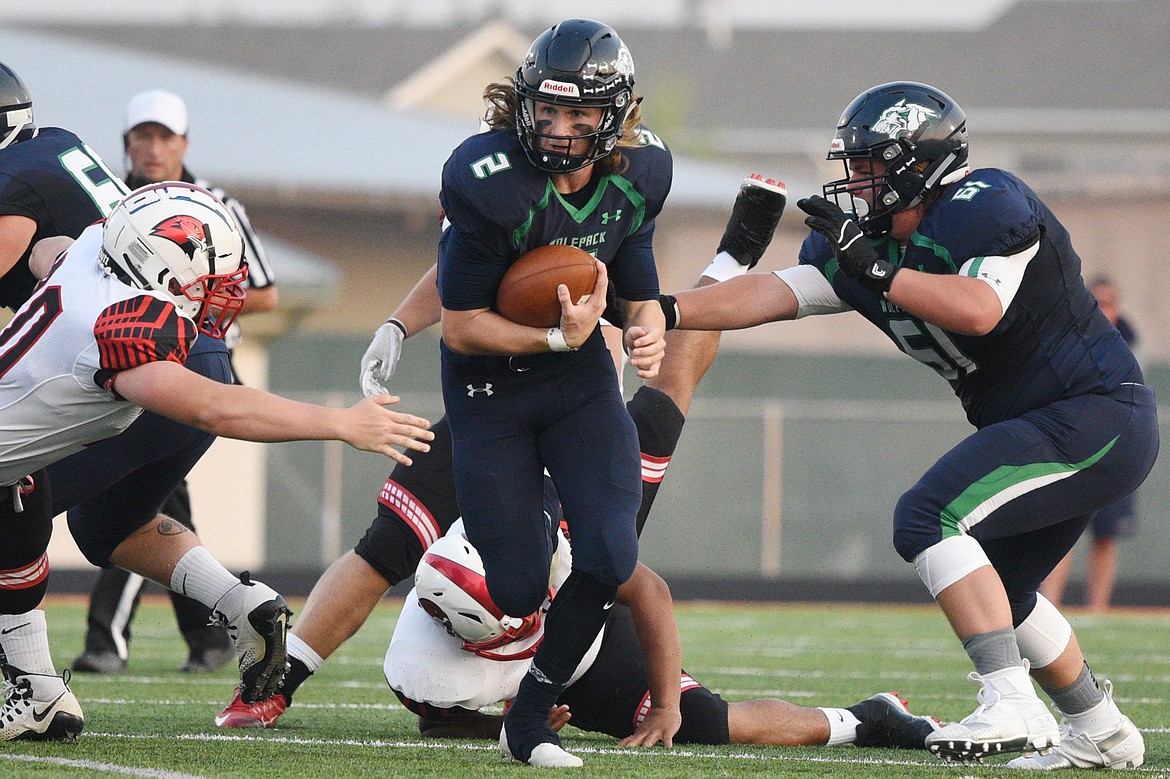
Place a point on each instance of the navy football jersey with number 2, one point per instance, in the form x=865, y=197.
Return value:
x=500, y=206
x=1052, y=342
x=31, y=185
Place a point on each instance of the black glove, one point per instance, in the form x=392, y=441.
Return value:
x=854, y=253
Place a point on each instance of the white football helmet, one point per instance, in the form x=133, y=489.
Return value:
x=451, y=588
x=179, y=239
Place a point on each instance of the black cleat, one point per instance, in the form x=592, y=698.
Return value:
x=753, y=219
x=886, y=722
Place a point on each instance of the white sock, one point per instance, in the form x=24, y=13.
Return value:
x=842, y=726
x=200, y=576
x=25, y=640
x=300, y=650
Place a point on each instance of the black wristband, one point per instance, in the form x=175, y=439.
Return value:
x=399, y=325
x=669, y=310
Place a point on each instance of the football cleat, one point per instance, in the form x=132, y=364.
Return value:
x=1121, y=747
x=90, y=662
x=544, y=755
x=38, y=707
x=753, y=219
x=1010, y=718
x=887, y=722
x=259, y=629
x=262, y=714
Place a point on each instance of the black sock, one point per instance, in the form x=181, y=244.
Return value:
x=660, y=425
x=296, y=675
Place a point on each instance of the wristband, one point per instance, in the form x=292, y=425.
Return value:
x=556, y=340
x=669, y=306
x=399, y=325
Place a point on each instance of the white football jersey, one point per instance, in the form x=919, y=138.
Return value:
x=61, y=350
x=428, y=665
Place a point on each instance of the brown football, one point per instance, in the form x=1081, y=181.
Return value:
x=528, y=291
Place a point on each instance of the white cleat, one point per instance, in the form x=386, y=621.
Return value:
x=38, y=707
x=258, y=624
x=1010, y=718
x=546, y=755
x=1121, y=747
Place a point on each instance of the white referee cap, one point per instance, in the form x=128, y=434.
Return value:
x=159, y=106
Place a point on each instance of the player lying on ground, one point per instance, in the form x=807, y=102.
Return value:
x=417, y=505
x=453, y=653
x=105, y=336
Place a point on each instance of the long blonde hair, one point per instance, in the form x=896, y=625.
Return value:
x=502, y=102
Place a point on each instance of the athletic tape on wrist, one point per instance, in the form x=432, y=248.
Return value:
x=556, y=340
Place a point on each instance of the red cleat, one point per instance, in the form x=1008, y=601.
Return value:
x=262, y=714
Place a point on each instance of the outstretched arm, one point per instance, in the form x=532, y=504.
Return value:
x=650, y=603
x=250, y=414
x=745, y=301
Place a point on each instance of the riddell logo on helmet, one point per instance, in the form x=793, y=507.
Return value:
x=559, y=88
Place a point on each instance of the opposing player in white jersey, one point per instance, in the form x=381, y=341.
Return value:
x=105, y=335
x=454, y=652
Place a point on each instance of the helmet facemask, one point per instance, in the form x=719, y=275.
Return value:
x=578, y=63
x=178, y=239
x=16, y=109
x=914, y=138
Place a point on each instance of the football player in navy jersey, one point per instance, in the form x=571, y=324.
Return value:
x=522, y=399
x=970, y=273
x=105, y=336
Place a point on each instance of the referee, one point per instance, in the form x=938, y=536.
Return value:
x=155, y=141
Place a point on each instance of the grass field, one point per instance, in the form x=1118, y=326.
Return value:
x=155, y=722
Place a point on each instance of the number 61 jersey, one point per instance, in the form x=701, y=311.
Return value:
x=1052, y=341
x=62, y=185
x=62, y=349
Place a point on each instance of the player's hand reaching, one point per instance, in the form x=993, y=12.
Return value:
x=381, y=357
x=854, y=253
x=579, y=318
x=660, y=725
x=558, y=717
x=370, y=426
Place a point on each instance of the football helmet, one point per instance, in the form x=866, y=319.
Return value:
x=578, y=62
x=179, y=239
x=16, y=111
x=451, y=588
x=914, y=133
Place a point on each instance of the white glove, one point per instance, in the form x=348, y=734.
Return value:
x=381, y=357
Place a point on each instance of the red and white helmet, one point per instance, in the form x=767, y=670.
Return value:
x=179, y=239
x=451, y=588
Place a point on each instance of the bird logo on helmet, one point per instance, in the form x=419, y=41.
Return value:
x=179, y=239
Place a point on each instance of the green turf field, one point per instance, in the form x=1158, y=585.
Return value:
x=154, y=722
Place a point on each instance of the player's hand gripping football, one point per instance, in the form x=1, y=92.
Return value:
x=579, y=318
x=381, y=358
x=854, y=253
x=368, y=425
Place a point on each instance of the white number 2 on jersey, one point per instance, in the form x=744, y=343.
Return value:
x=106, y=193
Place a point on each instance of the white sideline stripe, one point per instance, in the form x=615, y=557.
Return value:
x=109, y=768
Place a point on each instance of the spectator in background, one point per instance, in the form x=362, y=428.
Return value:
x=1112, y=522
x=156, y=142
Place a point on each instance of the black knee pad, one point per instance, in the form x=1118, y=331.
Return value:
x=390, y=547
x=704, y=718
x=26, y=539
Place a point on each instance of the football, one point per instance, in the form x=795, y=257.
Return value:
x=528, y=291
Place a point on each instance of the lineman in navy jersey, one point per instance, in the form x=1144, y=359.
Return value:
x=969, y=273
x=550, y=172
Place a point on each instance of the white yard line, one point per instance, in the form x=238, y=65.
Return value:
x=109, y=768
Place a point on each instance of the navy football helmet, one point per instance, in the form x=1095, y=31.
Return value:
x=16, y=114
x=917, y=134
x=578, y=62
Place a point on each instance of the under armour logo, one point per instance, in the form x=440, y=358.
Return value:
x=473, y=390
x=606, y=217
